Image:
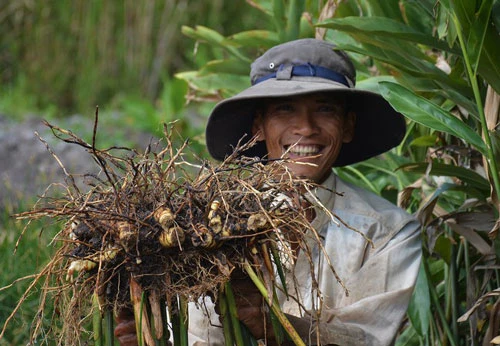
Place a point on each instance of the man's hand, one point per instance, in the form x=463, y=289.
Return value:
x=251, y=308
x=249, y=304
x=125, y=329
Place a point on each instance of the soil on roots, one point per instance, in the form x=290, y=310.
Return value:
x=173, y=227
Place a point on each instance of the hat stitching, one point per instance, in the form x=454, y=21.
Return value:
x=286, y=72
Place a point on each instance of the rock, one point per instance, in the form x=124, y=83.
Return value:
x=27, y=168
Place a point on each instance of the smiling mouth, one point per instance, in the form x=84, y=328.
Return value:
x=304, y=150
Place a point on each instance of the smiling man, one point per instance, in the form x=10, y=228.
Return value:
x=307, y=129
x=303, y=106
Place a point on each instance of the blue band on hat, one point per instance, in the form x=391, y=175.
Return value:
x=310, y=70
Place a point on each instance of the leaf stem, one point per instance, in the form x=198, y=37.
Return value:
x=453, y=287
x=233, y=314
x=226, y=320
x=97, y=321
x=439, y=309
x=184, y=318
x=294, y=336
x=110, y=327
x=493, y=169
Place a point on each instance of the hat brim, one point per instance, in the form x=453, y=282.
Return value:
x=378, y=126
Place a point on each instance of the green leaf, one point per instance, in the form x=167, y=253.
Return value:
x=467, y=176
x=214, y=38
x=425, y=141
x=415, y=69
x=204, y=34
x=481, y=35
x=227, y=84
x=279, y=18
x=427, y=113
x=254, y=38
x=263, y=5
x=442, y=248
x=372, y=83
x=408, y=337
x=478, y=31
x=376, y=29
x=229, y=66
x=295, y=9
x=384, y=27
x=420, y=15
x=495, y=15
x=495, y=144
x=172, y=98
x=420, y=304
x=444, y=29
x=307, y=29
x=386, y=8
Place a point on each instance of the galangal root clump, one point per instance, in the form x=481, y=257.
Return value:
x=166, y=226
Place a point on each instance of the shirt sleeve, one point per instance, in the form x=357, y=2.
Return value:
x=378, y=300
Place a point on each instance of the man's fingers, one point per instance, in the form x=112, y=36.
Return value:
x=128, y=340
x=125, y=333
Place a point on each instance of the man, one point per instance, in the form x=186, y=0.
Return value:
x=303, y=106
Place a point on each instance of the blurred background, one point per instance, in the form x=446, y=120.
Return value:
x=67, y=57
x=59, y=60
x=145, y=63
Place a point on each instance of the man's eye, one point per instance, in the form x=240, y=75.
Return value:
x=282, y=107
x=325, y=109
x=329, y=109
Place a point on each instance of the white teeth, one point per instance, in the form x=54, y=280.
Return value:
x=305, y=150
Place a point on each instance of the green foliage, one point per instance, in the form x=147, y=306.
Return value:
x=420, y=110
x=433, y=61
x=449, y=108
x=78, y=54
x=223, y=77
x=20, y=261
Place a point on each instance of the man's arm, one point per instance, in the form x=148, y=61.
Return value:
x=379, y=295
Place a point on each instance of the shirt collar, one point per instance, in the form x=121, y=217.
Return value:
x=323, y=200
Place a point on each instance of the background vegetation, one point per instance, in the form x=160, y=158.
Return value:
x=435, y=61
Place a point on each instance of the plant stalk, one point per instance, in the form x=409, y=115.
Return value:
x=493, y=169
x=97, y=321
x=137, y=296
x=184, y=319
x=437, y=305
x=453, y=285
x=110, y=327
x=166, y=335
x=233, y=314
x=467, y=278
x=173, y=310
x=226, y=320
x=292, y=333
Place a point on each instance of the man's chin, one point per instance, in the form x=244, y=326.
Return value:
x=301, y=174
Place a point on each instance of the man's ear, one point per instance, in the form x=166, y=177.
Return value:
x=349, y=125
x=257, y=127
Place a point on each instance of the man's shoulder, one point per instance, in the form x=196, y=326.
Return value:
x=355, y=201
x=349, y=194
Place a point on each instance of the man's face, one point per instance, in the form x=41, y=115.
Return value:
x=309, y=130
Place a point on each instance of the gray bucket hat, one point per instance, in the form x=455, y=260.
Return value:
x=297, y=68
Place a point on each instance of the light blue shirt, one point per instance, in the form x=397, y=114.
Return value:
x=375, y=250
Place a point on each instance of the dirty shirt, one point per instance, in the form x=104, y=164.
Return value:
x=375, y=251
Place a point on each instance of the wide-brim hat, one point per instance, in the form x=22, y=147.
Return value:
x=303, y=67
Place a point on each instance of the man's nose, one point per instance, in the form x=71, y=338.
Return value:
x=305, y=124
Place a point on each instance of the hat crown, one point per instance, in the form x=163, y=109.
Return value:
x=302, y=52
